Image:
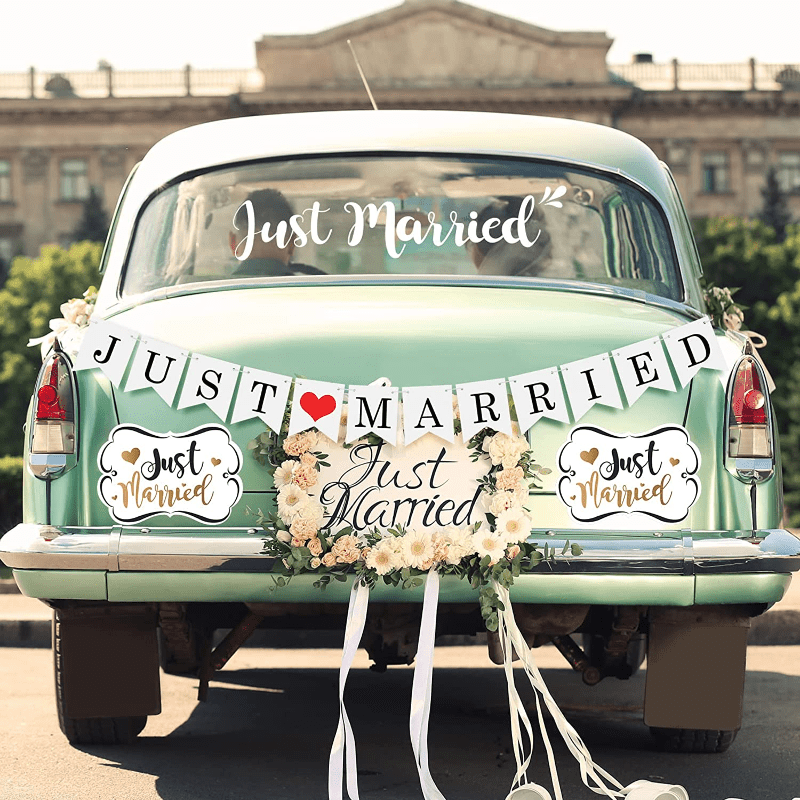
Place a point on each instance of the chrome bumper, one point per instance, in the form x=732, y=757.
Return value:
x=232, y=550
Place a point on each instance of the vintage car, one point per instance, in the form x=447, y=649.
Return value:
x=402, y=249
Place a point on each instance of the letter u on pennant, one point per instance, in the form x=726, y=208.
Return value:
x=159, y=366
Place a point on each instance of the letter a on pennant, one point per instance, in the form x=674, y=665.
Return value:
x=316, y=404
x=158, y=366
x=428, y=409
x=372, y=409
x=693, y=347
x=483, y=404
x=590, y=381
x=107, y=347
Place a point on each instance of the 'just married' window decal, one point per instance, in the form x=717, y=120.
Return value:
x=652, y=473
x=192, y=474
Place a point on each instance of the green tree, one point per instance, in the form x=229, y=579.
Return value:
x=31, y=297
x=775, y=212
x=747, y=254
x=93, y=225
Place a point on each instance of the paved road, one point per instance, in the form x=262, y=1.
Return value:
x=267, y=727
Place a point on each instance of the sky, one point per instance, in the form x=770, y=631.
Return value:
x=72, y=35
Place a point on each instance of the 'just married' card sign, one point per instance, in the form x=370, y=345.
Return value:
x=193, y=474
x=428, y=484
x=651, y=474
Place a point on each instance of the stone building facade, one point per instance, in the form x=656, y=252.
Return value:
x=719, y=127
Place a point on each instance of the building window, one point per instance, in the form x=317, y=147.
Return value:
x=5, y=181
x=789, y=172
x=716, y=173
x=74, y=179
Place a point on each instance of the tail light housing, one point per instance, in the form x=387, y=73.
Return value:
x=750, y=437
x=52, y=426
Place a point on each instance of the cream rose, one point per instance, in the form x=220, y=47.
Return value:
x=304, y=477
x=510, y=479
x=345, y=549
x=308, y=460
x=315, y=546
x=315, y=562
x=303, y=528
x=299, y=443
x=460, y=544
x=512, y=552
x=329, y=559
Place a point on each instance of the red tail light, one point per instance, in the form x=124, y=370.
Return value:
x=749, y=428
x=53, y=430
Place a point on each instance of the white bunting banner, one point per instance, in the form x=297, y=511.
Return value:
x=590, y=381
x=483, y=404
x=107, y=347
x=428, y=409
x=316, y=404
x=372, y=409
x=536, y=395
x=263, y=395
x=209, y=381
x=694, y=347
x=158, y=366
x=643, y=366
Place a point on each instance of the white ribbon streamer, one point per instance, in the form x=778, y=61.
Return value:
x=421, y=688
x=343, y=749
x=639, y=790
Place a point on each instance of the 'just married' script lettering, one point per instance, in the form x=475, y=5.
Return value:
x=427, y=484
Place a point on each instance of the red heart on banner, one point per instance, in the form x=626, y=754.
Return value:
x=317, y=407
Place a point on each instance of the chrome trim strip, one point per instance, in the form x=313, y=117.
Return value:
x=31, y=546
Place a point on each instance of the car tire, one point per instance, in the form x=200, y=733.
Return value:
x=687, y=740
x=98, y=730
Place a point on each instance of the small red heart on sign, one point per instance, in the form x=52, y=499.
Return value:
x=317, y=407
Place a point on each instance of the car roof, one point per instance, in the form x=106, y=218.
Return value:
x=327, y=132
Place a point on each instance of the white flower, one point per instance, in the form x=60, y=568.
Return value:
x=461, y=544
x=514, y=525
x=490, y=544
x=290, y=500
x=501, y=501
x=417, y=549
x=385, y=556
x=284, y=536
x=504, y=449
x=283, y=474
x=312, y=509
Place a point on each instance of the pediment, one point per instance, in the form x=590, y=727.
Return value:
x=434, y=43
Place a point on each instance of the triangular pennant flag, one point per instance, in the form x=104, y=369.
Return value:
x=158, y=366
x=538, y=394
x=372, y=409
x=693, y=347
x=107, y=347
x=262, y=394
x=642, y=366
x=590, y=381
x=428, y=409
x=483, y=404
x=209, y=381
x=316, y=404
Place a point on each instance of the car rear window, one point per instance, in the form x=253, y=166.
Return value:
x=402, y=215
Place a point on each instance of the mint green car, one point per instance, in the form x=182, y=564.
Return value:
x=333, y=290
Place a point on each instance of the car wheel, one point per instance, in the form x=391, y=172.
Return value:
x=687, y=740
x=85, y=730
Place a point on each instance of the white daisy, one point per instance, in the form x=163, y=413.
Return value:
x=290, y=500
x=489, y=544
x=417, y=549
x=514, y=525
x=283, y=474
x=385, y=556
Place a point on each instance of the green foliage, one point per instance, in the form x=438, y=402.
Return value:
x=775, y=212
x=93, y=225
x=746, y=253
x=31, y=297
x=10, y=492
